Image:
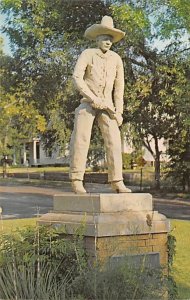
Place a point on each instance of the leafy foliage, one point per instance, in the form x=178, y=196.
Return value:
x=171, y=244
x=39, y=260
x=178, y=166
x=19, y=117
x=44, y=263
x=47, y=37
x=157, y=88
x=41, y=244
x=121, y=282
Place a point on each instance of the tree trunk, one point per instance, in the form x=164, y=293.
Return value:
x=187, y=182
x=157, y=165
x=156, y=156
x=157, y=172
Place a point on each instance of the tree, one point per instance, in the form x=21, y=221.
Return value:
x=179, y=146
x=47, y=37
x=155, y=81
x=179, y=164
x=18, y=117
x=171, y=18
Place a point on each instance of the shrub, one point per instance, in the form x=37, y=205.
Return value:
x=120, y=282
x=43, y=263
x=172, y=287
x=127, y=160
x=37, y=260
x=24, y=282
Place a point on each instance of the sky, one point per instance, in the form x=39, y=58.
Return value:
x=6, y=47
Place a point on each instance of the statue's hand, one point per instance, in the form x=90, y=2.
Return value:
x=98, y=104
x=119, y=118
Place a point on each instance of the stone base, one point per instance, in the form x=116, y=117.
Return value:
x=113, y=224
x=103, y=248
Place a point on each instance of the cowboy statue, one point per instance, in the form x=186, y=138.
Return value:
x=99, y=77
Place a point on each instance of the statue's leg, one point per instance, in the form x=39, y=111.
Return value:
x=80, y=140
x=112, y=139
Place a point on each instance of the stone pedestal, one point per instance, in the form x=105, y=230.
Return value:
x=115, y=225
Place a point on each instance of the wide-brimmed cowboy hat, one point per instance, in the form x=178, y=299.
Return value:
x=105, y=27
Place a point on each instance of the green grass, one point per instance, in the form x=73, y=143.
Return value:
x=35, y=169
x=181, y=266
x=17, y=169
x=10, y=225
x=181, y=272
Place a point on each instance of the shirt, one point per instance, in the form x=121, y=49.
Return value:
x=99, y=75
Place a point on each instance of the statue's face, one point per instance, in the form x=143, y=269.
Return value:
x=104, y=42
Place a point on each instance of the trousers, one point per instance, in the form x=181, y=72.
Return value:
x=80, y=141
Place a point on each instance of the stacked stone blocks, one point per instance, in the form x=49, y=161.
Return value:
x=114, y=224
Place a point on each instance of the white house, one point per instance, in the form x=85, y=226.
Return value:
x=163, y=147
x=34, y=154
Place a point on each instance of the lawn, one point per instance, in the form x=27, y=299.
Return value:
x=181, y=267
x=11, y=169
x=22, y=169
x=181, y=272
x=11, y=225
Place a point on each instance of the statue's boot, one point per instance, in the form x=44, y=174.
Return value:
x=119, y=187
x=77, y=186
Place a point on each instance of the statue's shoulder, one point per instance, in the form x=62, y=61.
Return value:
x=89, y=51
x=114, y=54
x=115, y=58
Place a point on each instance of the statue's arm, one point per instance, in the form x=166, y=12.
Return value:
x=119, y=87
x=78, y=77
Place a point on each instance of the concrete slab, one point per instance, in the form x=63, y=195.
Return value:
x=102, y=203
x=101, y=225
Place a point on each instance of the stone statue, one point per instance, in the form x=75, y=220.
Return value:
x=99, y=77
